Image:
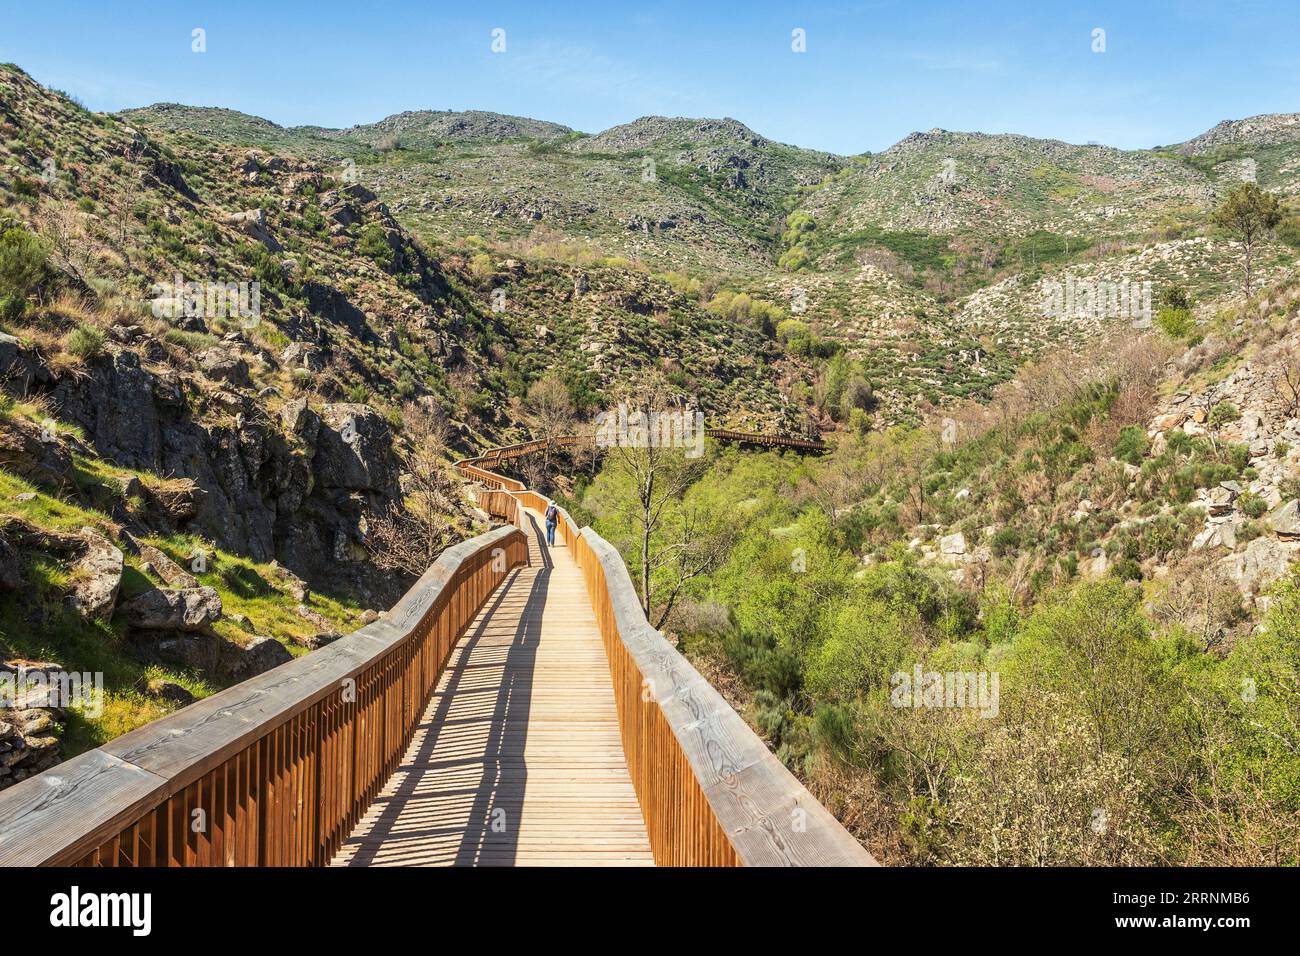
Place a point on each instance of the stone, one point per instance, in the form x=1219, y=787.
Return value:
x=167, y=609
x=1285, y=521
x=1095, y=567
x=299, y=420
x=354, y=451
x=130, y=486
x=224, y=366
x=290, y=583
x=1220, y=501
x=1222, y=535
x=171, y=692
x=253, y=222
x=962, y=494
x=96, y=577
x=36, y=722
x=34, y=452
x=163, y=566
x=257, y=656
x=953, y=544
x=1263, y=561
x=304, y=356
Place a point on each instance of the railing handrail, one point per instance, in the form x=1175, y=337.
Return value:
x=768, y=815
x=472, y=466
x=58, y=816
x=757, y=807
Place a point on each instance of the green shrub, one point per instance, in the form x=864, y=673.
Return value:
x=1174, y=297
x=86, y=342
x=1224, y=412
x=22, y=269
x=1252, y=505
x=373, y=244
x=1176, y=323
x=794, y=258
x=1132, y=445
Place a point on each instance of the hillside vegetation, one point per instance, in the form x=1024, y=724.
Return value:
x=237, y=358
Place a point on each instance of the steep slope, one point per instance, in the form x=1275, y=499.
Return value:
x=423, y=128
x=672, y=192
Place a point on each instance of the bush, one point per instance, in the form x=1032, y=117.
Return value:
x=1176, y=323
x=794, y=258
x=1174, y=297
x=1252, y=505
x=86, y=342
x=1223, y=413
x=22, y=269
x=373, y=244
x=1132, y=445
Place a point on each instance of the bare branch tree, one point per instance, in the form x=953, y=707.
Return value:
x=410, y=536
x=550, y=414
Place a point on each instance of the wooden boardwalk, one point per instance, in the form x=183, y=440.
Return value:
x=517, y=760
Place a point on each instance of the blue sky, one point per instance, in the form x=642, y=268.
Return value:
x=872, y=72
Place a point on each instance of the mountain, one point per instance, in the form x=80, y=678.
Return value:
x=424, y=127
x=1267, y=129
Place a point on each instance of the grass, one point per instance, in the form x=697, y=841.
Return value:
x=38, y=625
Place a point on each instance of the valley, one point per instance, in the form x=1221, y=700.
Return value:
x=1098, y=505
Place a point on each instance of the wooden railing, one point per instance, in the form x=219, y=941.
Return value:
x=275, y=771
x=765, y=440
x=710, y=791
x=479, y=468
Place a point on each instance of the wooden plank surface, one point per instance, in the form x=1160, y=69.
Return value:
x=518, y=759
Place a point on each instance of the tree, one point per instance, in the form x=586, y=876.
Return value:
x=550, y=413
x=122, y=201
x=676, y=543
x=64, y=227
x=1286, y=382
x=22, y=268
x=409, y=537
x=839, y=483
x=1248, y=213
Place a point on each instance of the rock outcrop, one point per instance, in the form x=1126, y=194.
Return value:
x=172, y=609
x=96, y=577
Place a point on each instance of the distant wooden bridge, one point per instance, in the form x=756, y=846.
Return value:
x=479, y=468
x=514, y=707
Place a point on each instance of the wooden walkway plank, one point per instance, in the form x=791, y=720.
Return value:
x=518, y=759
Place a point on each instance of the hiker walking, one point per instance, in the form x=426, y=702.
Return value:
x=552, y=516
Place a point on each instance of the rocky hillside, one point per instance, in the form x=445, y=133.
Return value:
x=211, y=361
x=1268, y=129
x=422, y=128
x=229, y=350
x=1179, y=468
x=228, y=371
x=944, y=241
x=671, y=192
